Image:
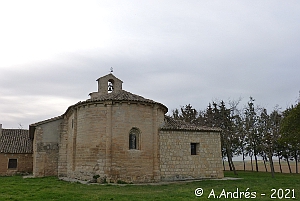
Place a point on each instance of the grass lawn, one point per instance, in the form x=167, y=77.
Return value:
x=50, y=188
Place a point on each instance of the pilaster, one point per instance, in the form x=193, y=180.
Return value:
x=108, y=151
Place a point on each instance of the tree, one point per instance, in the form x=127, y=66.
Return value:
x=275, y=119
x=221, y=116
x=187, y=113
x=239, y=142
x=175, y=114
x=250, y=127
x=290, y=130
x=209, y=116
x=268, y=127
x=263, y=127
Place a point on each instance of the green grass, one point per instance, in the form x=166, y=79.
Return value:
x=50, y=188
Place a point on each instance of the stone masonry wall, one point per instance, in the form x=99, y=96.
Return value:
x=24, y=163
x=176, y=161
x=135, y=165
x=96, y=142
x=83, y=142
x=46, y=148
x=62, y=153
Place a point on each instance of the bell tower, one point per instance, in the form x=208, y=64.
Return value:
x=107, y=84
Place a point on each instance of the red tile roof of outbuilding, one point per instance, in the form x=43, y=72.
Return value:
x=15, y=141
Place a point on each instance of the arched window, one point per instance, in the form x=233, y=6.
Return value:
x=134, y=136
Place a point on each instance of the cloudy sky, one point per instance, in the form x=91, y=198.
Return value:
x=174, y=52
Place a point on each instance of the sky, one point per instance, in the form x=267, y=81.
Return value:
x=173, y=52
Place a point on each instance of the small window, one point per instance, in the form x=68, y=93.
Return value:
x=194, y=148
x=134, y=138
x=12, y=163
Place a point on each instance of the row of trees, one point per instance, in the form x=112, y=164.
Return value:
x=250, y=131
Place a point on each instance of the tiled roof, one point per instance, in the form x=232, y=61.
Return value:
x=122, y=95
x=15, y=141
x=47, y=120
x=172, y=124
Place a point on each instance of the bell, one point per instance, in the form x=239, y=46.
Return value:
x=110, y=87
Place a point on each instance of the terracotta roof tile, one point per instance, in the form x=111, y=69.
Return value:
x=47, y=120
x=172, y=124
x=15, y=141
x=122, y=95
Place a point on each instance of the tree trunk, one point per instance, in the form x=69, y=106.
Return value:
x=230, y=160
x=244, y=161
x=288, y=162
x=279, y=164
x=231, y=165
x=264, y=159
x=296, y=160
x=256, y=165
x=251, y=161
x=271, y=165
x=224, y=164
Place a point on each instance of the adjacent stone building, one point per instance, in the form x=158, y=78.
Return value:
x=120, y=136
x=15, y=151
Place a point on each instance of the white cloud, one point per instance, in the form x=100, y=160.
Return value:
x=38, y=30
x=26, y=110
x=174, y=52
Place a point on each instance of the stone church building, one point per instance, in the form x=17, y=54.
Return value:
x=119, y=136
